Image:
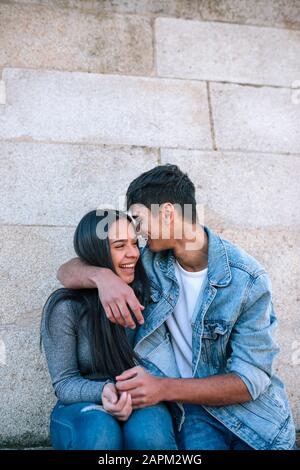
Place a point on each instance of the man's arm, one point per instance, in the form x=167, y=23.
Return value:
x=76, y=274
x=253, y=347
x=147, y=389
x=218, y=390
x=115, y=295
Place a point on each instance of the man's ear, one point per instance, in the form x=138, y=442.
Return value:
x=168, y=212
x=167, y=217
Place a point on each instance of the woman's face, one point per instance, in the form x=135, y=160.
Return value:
x=124, y=248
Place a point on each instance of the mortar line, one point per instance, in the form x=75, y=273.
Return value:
x=152, y=77
x=154, y=148
x=211, y=118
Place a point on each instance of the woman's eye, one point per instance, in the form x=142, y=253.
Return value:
x=120, y=246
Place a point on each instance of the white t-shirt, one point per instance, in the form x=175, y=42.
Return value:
x=180, y=322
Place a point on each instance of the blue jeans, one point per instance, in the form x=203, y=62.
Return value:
x=84, y=426
x=201, y=431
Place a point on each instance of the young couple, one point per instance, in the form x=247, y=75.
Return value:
x=169, y=346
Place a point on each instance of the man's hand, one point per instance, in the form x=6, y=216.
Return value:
x=115, y=295
x=145, y=389
x=120, y=408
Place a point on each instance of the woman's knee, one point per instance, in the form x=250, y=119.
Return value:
x=150, y=428
x=99, y=430
x=88, y=428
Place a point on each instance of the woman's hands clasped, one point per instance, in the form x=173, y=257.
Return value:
x=118, y=405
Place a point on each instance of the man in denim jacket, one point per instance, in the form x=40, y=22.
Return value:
x=207, y=339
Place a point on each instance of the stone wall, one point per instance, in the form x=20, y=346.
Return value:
x=95, y=92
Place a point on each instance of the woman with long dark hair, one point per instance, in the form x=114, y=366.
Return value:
x=85, y=351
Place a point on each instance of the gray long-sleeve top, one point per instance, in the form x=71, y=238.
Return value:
x=68, y=356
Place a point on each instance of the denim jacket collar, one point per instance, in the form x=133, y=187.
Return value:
x=219, y=273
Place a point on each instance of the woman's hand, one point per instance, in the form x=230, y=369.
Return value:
x=118, y=406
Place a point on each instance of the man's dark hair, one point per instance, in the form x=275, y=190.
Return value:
x=164, y=183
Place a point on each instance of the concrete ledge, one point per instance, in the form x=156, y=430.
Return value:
x=50, y=448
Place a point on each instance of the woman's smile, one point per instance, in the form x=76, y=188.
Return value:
x=128, y=268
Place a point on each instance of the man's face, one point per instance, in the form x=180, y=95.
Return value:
x=154, y=225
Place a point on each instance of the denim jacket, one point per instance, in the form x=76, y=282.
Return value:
x=232, y=332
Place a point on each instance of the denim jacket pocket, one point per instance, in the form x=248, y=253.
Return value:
x=162, y=356
x=275, y=407
x=155, y=292
x=155, y=295
x=214, y=340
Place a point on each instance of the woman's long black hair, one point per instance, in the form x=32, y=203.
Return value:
x=111, y=352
